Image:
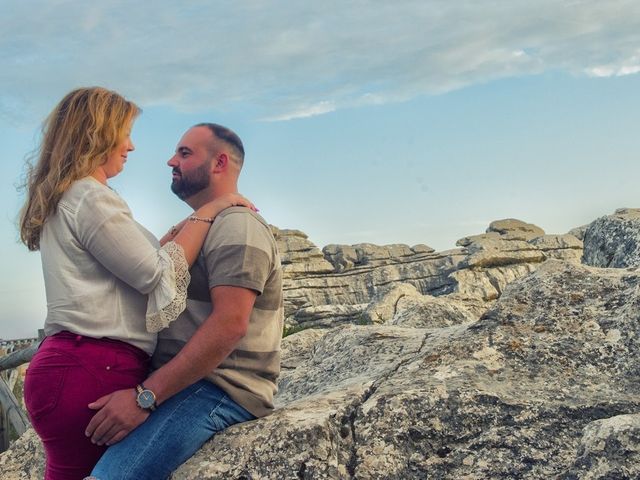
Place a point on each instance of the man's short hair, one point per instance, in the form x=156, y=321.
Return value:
x=230, y=138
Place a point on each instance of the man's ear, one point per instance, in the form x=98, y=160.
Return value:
x=220, y=163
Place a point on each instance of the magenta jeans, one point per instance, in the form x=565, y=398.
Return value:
x=67, y=373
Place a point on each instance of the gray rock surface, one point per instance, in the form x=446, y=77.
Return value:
x=24, y=460
x=578, y=232
x=609, y=448
x=613, y=241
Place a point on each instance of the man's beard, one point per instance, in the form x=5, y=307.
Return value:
x=197, y=180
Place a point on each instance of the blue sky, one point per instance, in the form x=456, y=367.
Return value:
x=364, y=121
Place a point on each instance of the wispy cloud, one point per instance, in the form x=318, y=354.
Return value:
x=298, y=59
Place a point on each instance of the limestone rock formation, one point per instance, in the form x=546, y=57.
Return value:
x=513, y=229
x=507, y=229
x=480, y=270
x=298, y=255
x=403, y=305
x=613, y=241
x=563, y=247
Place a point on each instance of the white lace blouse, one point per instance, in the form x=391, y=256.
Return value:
x=100, y=267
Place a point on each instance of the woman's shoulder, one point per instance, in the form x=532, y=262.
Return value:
x=90, y=191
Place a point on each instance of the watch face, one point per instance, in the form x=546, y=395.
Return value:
x=146, y=399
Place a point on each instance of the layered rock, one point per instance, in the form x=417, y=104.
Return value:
x=298, y=255
x=613, y=241
x=477, y=272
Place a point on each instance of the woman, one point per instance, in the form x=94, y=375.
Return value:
x=108, y=285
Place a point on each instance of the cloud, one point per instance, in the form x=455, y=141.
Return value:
x=286, y=61
x=302, y=112
x=629, y=66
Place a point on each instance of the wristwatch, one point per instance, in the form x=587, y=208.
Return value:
x=146, y=399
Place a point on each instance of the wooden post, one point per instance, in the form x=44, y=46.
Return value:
x=13, y=420
x=12, y=417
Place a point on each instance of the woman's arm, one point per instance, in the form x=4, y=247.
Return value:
x=106, y=228
x=196, y=227
x=173, y=231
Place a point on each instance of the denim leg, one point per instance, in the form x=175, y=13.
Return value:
x=171, y=434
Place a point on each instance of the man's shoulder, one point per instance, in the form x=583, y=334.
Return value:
x=243, y=215
x=240, y=224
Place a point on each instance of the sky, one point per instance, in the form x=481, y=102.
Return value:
x=414, y=122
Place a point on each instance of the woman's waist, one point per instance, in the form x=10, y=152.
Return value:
x=132, y=334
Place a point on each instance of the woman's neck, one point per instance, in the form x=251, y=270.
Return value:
x=100, y=175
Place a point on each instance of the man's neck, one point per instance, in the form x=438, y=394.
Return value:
x=208, y=195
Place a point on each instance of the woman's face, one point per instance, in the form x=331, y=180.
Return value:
x=116, y=159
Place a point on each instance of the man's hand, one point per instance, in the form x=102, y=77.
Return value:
x=118, y=414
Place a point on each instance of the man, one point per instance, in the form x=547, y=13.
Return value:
x=217, y=364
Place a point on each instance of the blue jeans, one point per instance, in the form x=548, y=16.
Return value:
x=171, y=434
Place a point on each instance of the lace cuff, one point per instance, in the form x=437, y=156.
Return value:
x=169, y=298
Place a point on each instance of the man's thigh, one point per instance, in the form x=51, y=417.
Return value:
x=171, y=434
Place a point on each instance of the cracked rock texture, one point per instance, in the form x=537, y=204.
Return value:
x=527, y=369
x=613, y=241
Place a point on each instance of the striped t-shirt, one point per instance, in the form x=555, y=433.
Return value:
x=239, y=251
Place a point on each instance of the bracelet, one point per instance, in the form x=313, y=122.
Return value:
x=173, y=231
x=193, y=218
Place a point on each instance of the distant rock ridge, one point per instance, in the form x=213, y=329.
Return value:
x=338, y=284
x=504, y=358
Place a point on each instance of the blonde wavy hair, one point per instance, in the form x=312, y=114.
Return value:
x=77, y=137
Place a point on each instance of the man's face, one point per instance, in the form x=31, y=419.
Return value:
x=191, y=163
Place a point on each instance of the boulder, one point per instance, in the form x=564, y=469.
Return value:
x=609, y=448
x=513, y=229
x=613, y=241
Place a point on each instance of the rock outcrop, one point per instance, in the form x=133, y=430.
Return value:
x=613, y=241
x=341, y=288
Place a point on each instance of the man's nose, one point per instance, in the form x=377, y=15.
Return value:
x=172, y=162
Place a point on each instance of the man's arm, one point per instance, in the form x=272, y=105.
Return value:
x=215, y=339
